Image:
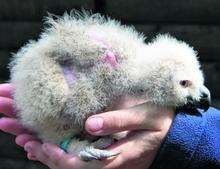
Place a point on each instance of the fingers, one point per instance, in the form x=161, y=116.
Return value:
x=22, y=139
x=6, y=90
x=7, y=106
x=67, y=161
x=62, y=160
x=12, y=126
x=35, y=152
x=143, y=116
x=34, y=149
x=6, y=100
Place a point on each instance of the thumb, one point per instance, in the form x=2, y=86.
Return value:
x=143, y=116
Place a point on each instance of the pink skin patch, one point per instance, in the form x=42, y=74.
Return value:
x=110, y=57
x=69, y=75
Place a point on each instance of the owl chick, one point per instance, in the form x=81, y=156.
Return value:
x=82, y=63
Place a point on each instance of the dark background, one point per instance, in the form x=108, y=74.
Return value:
x=194, y=21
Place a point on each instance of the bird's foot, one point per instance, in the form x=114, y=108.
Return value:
x=91, y=153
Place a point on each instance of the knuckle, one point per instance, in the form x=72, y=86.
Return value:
x=116, y=121
x=57, y=157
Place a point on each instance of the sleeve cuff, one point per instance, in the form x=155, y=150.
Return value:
x=181, y=142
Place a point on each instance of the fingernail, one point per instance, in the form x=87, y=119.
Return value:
x=95, y=124
x=31, y=157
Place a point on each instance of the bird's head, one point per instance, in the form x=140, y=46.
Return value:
x=177, y=75
x=189, y=89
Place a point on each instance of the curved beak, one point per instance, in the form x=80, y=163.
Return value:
x=203, y=102
x=205, y=99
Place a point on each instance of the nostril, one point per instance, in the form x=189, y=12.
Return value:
x=204, y=95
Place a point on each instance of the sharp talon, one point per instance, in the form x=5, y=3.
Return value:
x=96, y=154
x=87, y=157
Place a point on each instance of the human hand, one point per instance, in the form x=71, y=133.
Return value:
x=138, y=148
x=146, y=126
x=10, y=124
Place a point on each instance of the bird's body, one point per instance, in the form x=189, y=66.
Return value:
x=82, y=64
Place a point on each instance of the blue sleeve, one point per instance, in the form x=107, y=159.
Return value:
x=193, y=142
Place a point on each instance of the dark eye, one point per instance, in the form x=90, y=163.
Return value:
x=185, y=83
x=141, y=90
